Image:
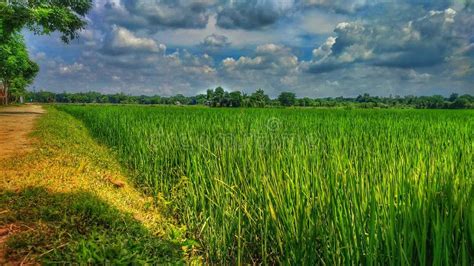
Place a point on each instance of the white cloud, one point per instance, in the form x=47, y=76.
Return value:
x=216, y=41
x=270, y=57
x=425, y=41
x=70, y=69
x=123, y=39
x=418, y=77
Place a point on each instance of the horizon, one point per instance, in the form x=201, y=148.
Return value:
x=248, y=94
x=315, y=49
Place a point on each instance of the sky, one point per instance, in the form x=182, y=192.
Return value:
x=314, y=48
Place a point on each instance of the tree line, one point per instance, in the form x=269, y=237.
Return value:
x=221, y=98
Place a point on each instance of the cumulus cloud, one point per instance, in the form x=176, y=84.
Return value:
x=276, y=59
x=251, y=14
x=156, y=14
x=418, y=77
x=351, y=6
x=216, y=41
x=121, y=40
x=70, y=69
x=422, y=42
x=340, y=5
x=186, y=46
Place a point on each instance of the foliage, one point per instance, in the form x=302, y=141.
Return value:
x=260, y=99
x=43, y=17
x=17, y=71
x=287, y=99
x=305, y=186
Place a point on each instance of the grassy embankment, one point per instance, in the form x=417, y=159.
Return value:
x=69, y=201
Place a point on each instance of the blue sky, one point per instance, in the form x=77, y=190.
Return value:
x=315, y=48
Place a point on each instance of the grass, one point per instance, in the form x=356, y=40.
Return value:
x=63, y=208
x=304, y=186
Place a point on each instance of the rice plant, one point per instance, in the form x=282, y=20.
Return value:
x=305, y=186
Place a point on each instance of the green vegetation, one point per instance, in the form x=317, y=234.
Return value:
x=43, y=17
x=221, y=98
x=63, y=208
x=305, y=186
x=17, y=71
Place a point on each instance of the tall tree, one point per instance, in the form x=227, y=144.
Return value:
x=42, y=17
x=219, y=95
x=16, y=69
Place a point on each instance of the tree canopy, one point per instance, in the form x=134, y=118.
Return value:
x=41, y=17
x=240, y=99
x=287, y=99
x=17, y=70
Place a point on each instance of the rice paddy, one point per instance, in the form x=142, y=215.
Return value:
x=304, y=186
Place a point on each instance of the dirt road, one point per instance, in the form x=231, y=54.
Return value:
x=16, y=123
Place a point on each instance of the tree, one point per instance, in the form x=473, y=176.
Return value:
x=218, y=97
x=460, y=103
x=306, y=102
x=259, y=98
x=453, y=97
x=287, y=98
x=43, y=17
x=16, y=69
x=235, y=99
x=210, y=96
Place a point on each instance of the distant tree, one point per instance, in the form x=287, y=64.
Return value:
x=366, y=98
x=200, y=99
x=453, y=97
x=305, y=102
x=155, y=100
x=259, y=98
x=218, y=96
x=235, y=99
x=460, y=103
x=287, y=99
x=180, y=99
x=246, y=100
x=436, y=101
x=226, y=100
x=17, y=71
x=210, y=96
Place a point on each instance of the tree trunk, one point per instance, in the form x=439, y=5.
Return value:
x=5, y=89
x=2, y=93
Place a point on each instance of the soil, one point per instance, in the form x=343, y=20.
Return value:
x=16, y=123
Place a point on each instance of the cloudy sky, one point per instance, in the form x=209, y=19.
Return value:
x=316, y=48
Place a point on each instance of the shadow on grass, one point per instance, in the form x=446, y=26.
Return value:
x=80, y=228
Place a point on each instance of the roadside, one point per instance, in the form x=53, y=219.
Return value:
x=16, y=123
x=65, y=199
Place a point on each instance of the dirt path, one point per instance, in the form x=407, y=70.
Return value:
x=16, y=123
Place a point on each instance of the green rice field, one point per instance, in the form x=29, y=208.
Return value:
x=304, y=186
